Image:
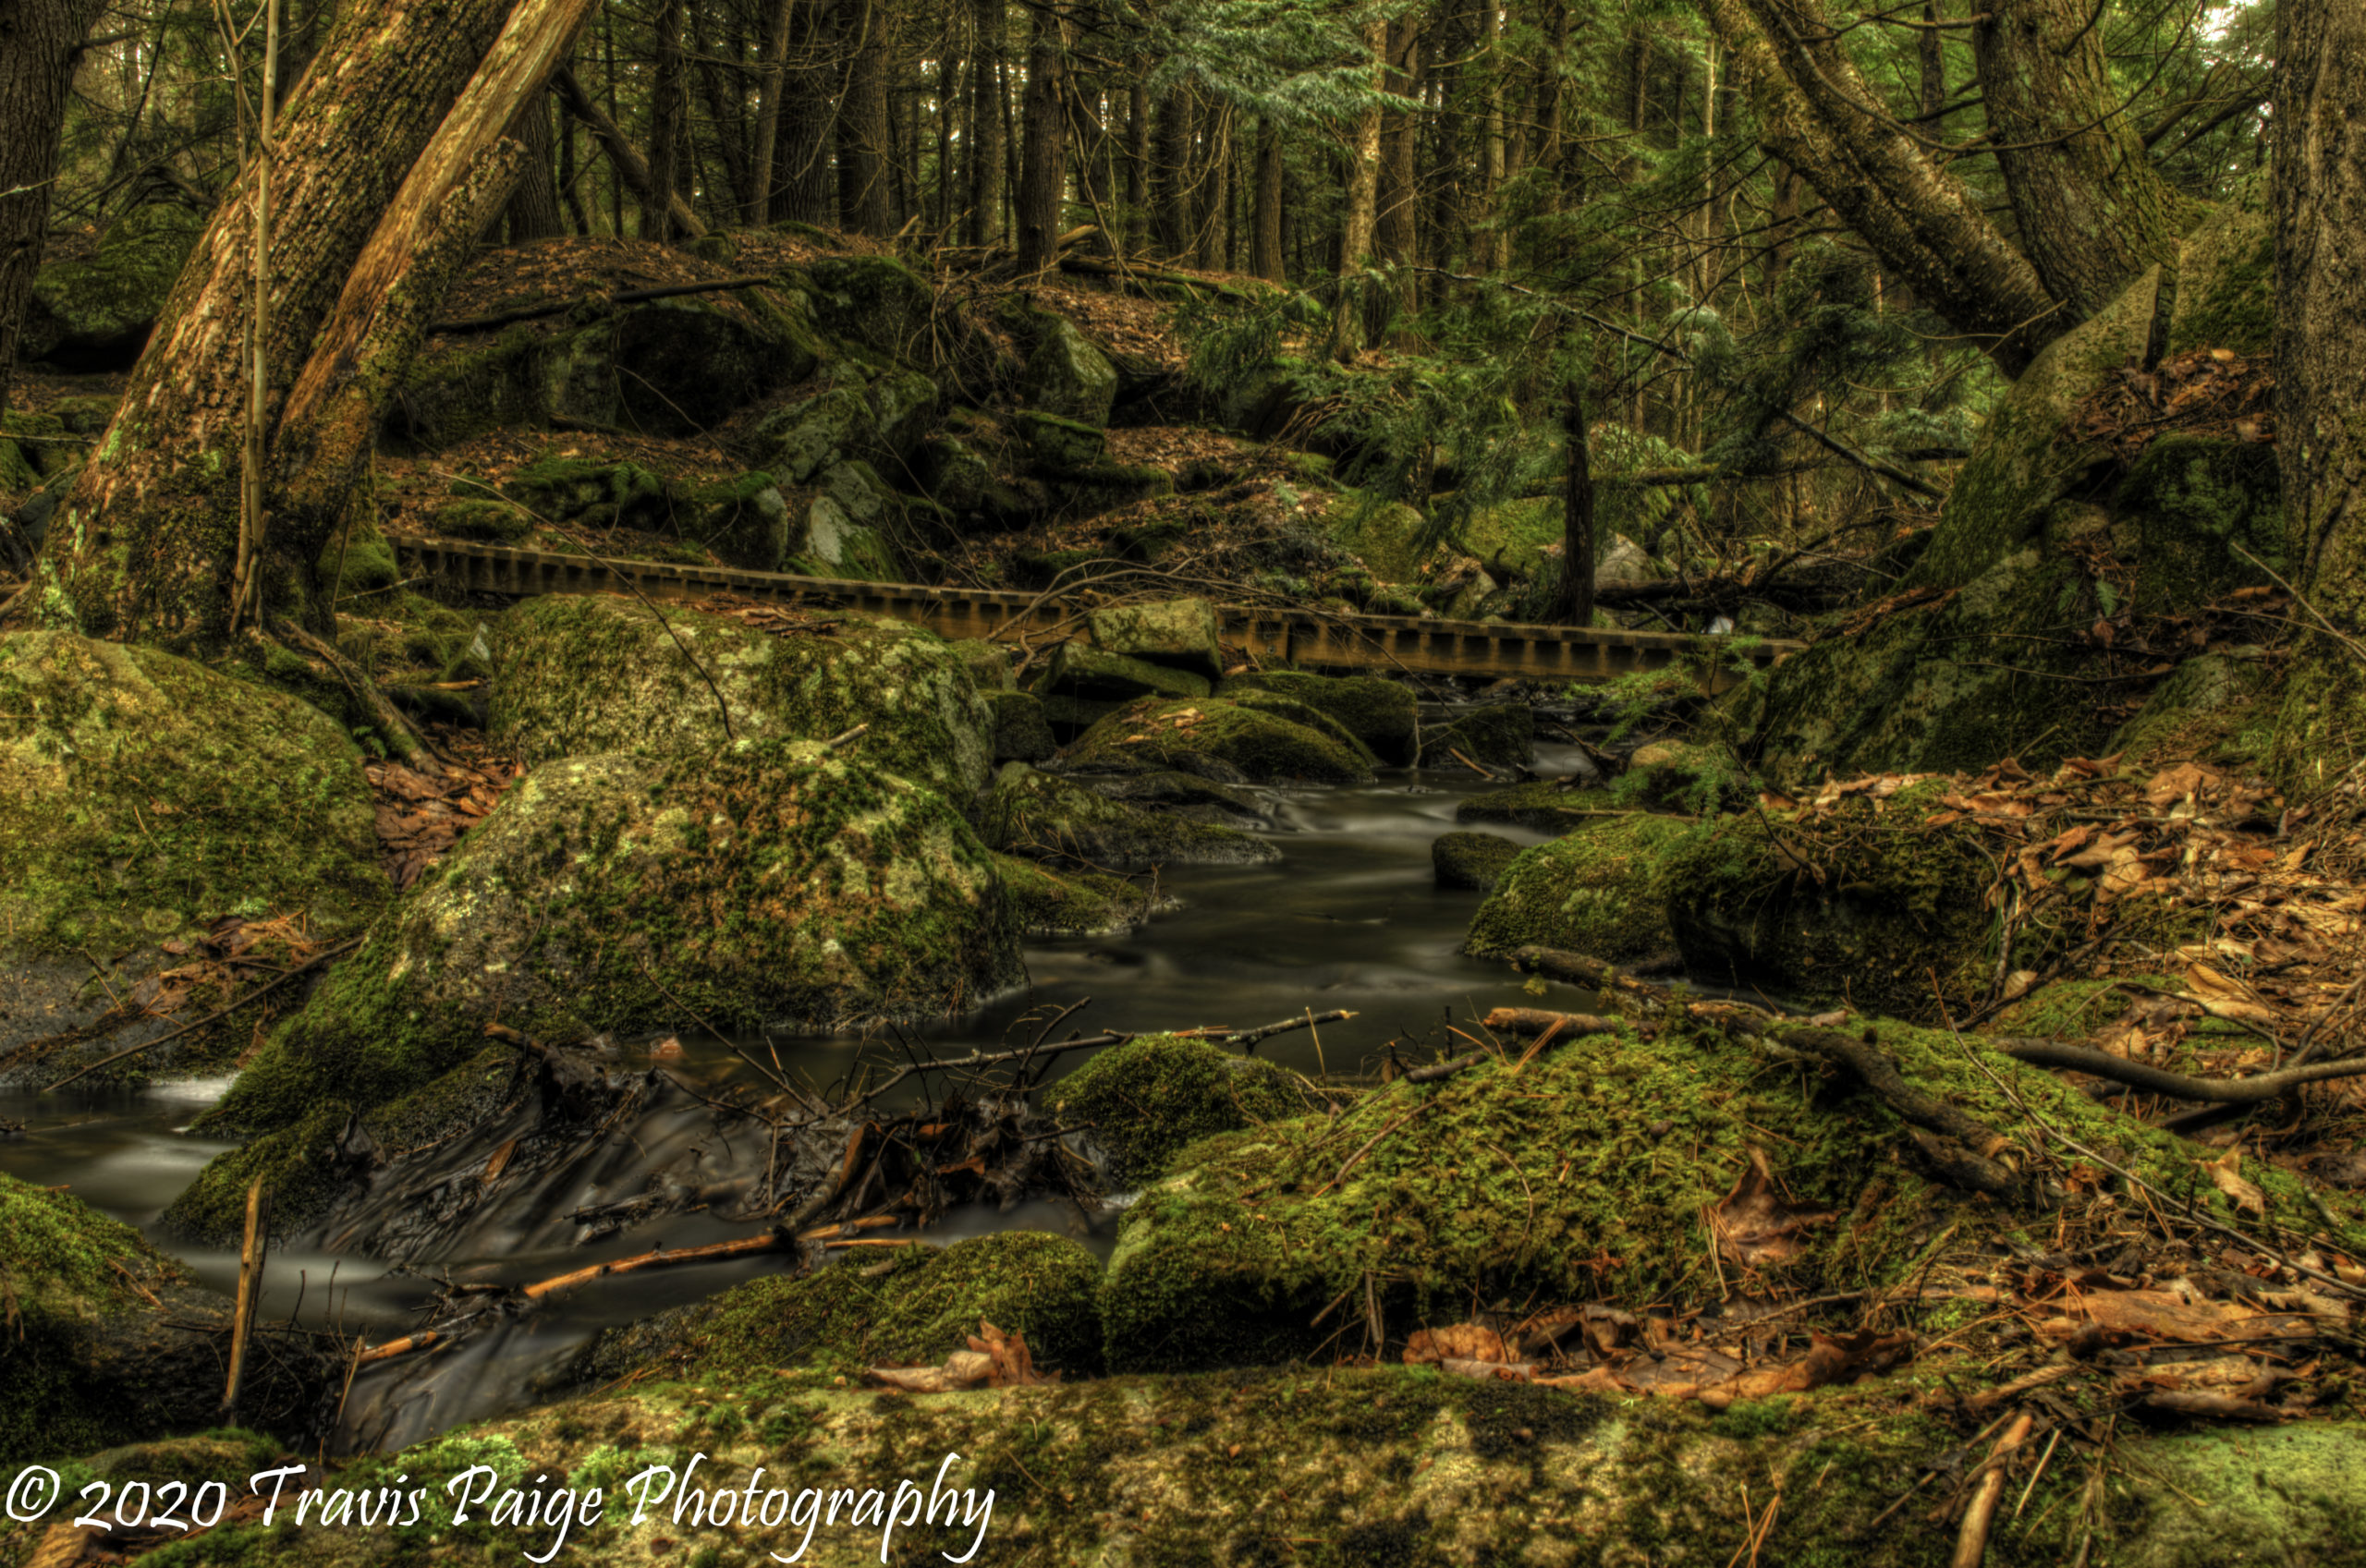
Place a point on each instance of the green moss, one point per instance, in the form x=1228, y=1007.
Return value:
x=99, y=311
x=597, y=494
x=1069, y=904
x=1264, y=745
x=1596, y=892
x=875, y=300
x=1380, y=715
x=43, y=449
x=743, y=522
x=2214, y=706
x=490, y=522
x=583, y=674
x=142, y=794
x=1079, y=670
x=1044, y=817
x=1471, y=861
x=2227, y=285
x=359, y=561
x=2199, y=504
x=1058, y=445
x=1583, y=1175
x=1153, y=1096
x=1541, y=804
x=1022, y=733
x=763, y=885
x=1387, y=537
x=1177, y=632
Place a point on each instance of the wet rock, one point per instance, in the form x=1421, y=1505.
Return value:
x=1021, y=733
x=95, y=314
x=1596, y=892
x=1471, y=861
x=1381, y=714
x=143, y=798
x=1266, y=746
x=1543, y=804
x=744, y=521
x=1226, y=801
x=923, y=1306
x=1497, y=734
x=767, y=884
x=1068, y=376
x=1151, y=1097
x=1680, y=776
x=1180, y=633
x=581, y=674
x=1081, y=670
x=1057, y=444
x=1044, y=817
x=1048, y=903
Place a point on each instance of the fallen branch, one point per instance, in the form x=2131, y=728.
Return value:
x=1247, y=1039
x=1973, y=1164
x=2157, y=1080
x=623, y=296
x=779, y=1240
x=1971, y=1543
x=1539, y=1021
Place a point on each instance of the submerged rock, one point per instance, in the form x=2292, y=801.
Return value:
x=761, y=885
x=1596, y=890
x=1265, y=746
x=581, y=674
x=1153, y=1096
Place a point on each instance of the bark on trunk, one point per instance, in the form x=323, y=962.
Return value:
x=144, y=547
x=1172, y=177
x=1817, y=114
x=632, y=173
x=1577, y=518
x=1399, y=189
x=1043, y=174
x=985, y=225
x=804, y=189
x=666, y=116
x=1265, y=248
x=533, y=210
x=40, y=41
x=2320, y=196
x=775, y=82
x=2092, y=214
x=865, y=197
x=1360, y=221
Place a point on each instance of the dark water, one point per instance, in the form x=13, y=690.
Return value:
x=1352, y=919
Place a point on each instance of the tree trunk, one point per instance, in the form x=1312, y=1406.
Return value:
x=1577, y=518
x=984, y=227
x=1399, y=190
x=1493, y=250
x=1138, y=162
x=864, y=194
x=2320, y=209
x=1265, y=247
x=2092, y=214
x=379, y=167
x=1930, y=63
x=1817, y=112
x=533, y=210
x=40, y=41
x=1172, y=175
x=804, y=188
x=666, y=116
x=775, y=83
x=631, y=173
x=1042, y=172
x=1360, y=221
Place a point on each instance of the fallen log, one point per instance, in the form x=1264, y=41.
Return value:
x=2157, y=1080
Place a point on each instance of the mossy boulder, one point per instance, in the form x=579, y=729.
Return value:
x=1021, y=732
x=1471, y=861
x=143, y=797
x=1180, y=633
x=1265, y=746
x=874, y=301
x=1497, y=733
x=1596, y=892
x=43, y=446
x=1543, y=804
x=1381, y=714
x=766, y=884
x=1068, y=376
x=95, y=314
x=1049, y=903
x=673, y=368
x=1056, y=445
x=1078, y=669
x=359, y=561
x=1045, y=817
x=1094, y=488
x=2211, y=702
x=485, y=520
x=581, y=674
x=590, y=491
x=1155, y=1095
x=744, y=521
x=1386, y=536
x=916, y=1309
x=1585, y=1174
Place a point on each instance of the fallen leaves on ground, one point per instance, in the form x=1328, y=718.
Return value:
x=424, y=807
x=993, y=1360
x=2214, y=392
x=1755, y=1224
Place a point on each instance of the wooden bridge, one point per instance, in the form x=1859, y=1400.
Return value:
x=1299, y=637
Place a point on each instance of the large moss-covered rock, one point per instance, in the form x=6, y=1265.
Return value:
x=1069, y=903
x=765, y=885
x=1178, y=632
x=1596, y=892
x=1045, y=817
x=587, y=674
x=1381, y=714
x=143, y=797
x=1056, y=445
x=1078, y=669
x=2198, y=505
x=875, y=301
x=95, y=314
x=1149, y=1098
x=917, y=1307
x=1585, y=1174
x=1068, y=376
x=1543, y=804
x=587, y=490
x=744, y=521
x=1264, y=745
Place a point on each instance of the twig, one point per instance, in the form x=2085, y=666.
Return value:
x=250, y=1256
x=2156, y=1080
x=1374, y=1142
x=1971, y=1544
x=1247, y=1039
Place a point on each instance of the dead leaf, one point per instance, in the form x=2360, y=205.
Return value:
x=1755, y=1224
x=1462, y=1342
x=2226, y=1175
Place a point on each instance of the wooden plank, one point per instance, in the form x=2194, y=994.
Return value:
x=1545, y=654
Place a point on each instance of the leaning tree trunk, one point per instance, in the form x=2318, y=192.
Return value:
x=40, y=41
x=1817, y=114
x=2091, y=211
x=2320, y=202
x=389, y=152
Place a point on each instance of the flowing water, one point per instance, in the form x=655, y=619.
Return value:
x=1352, y=919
